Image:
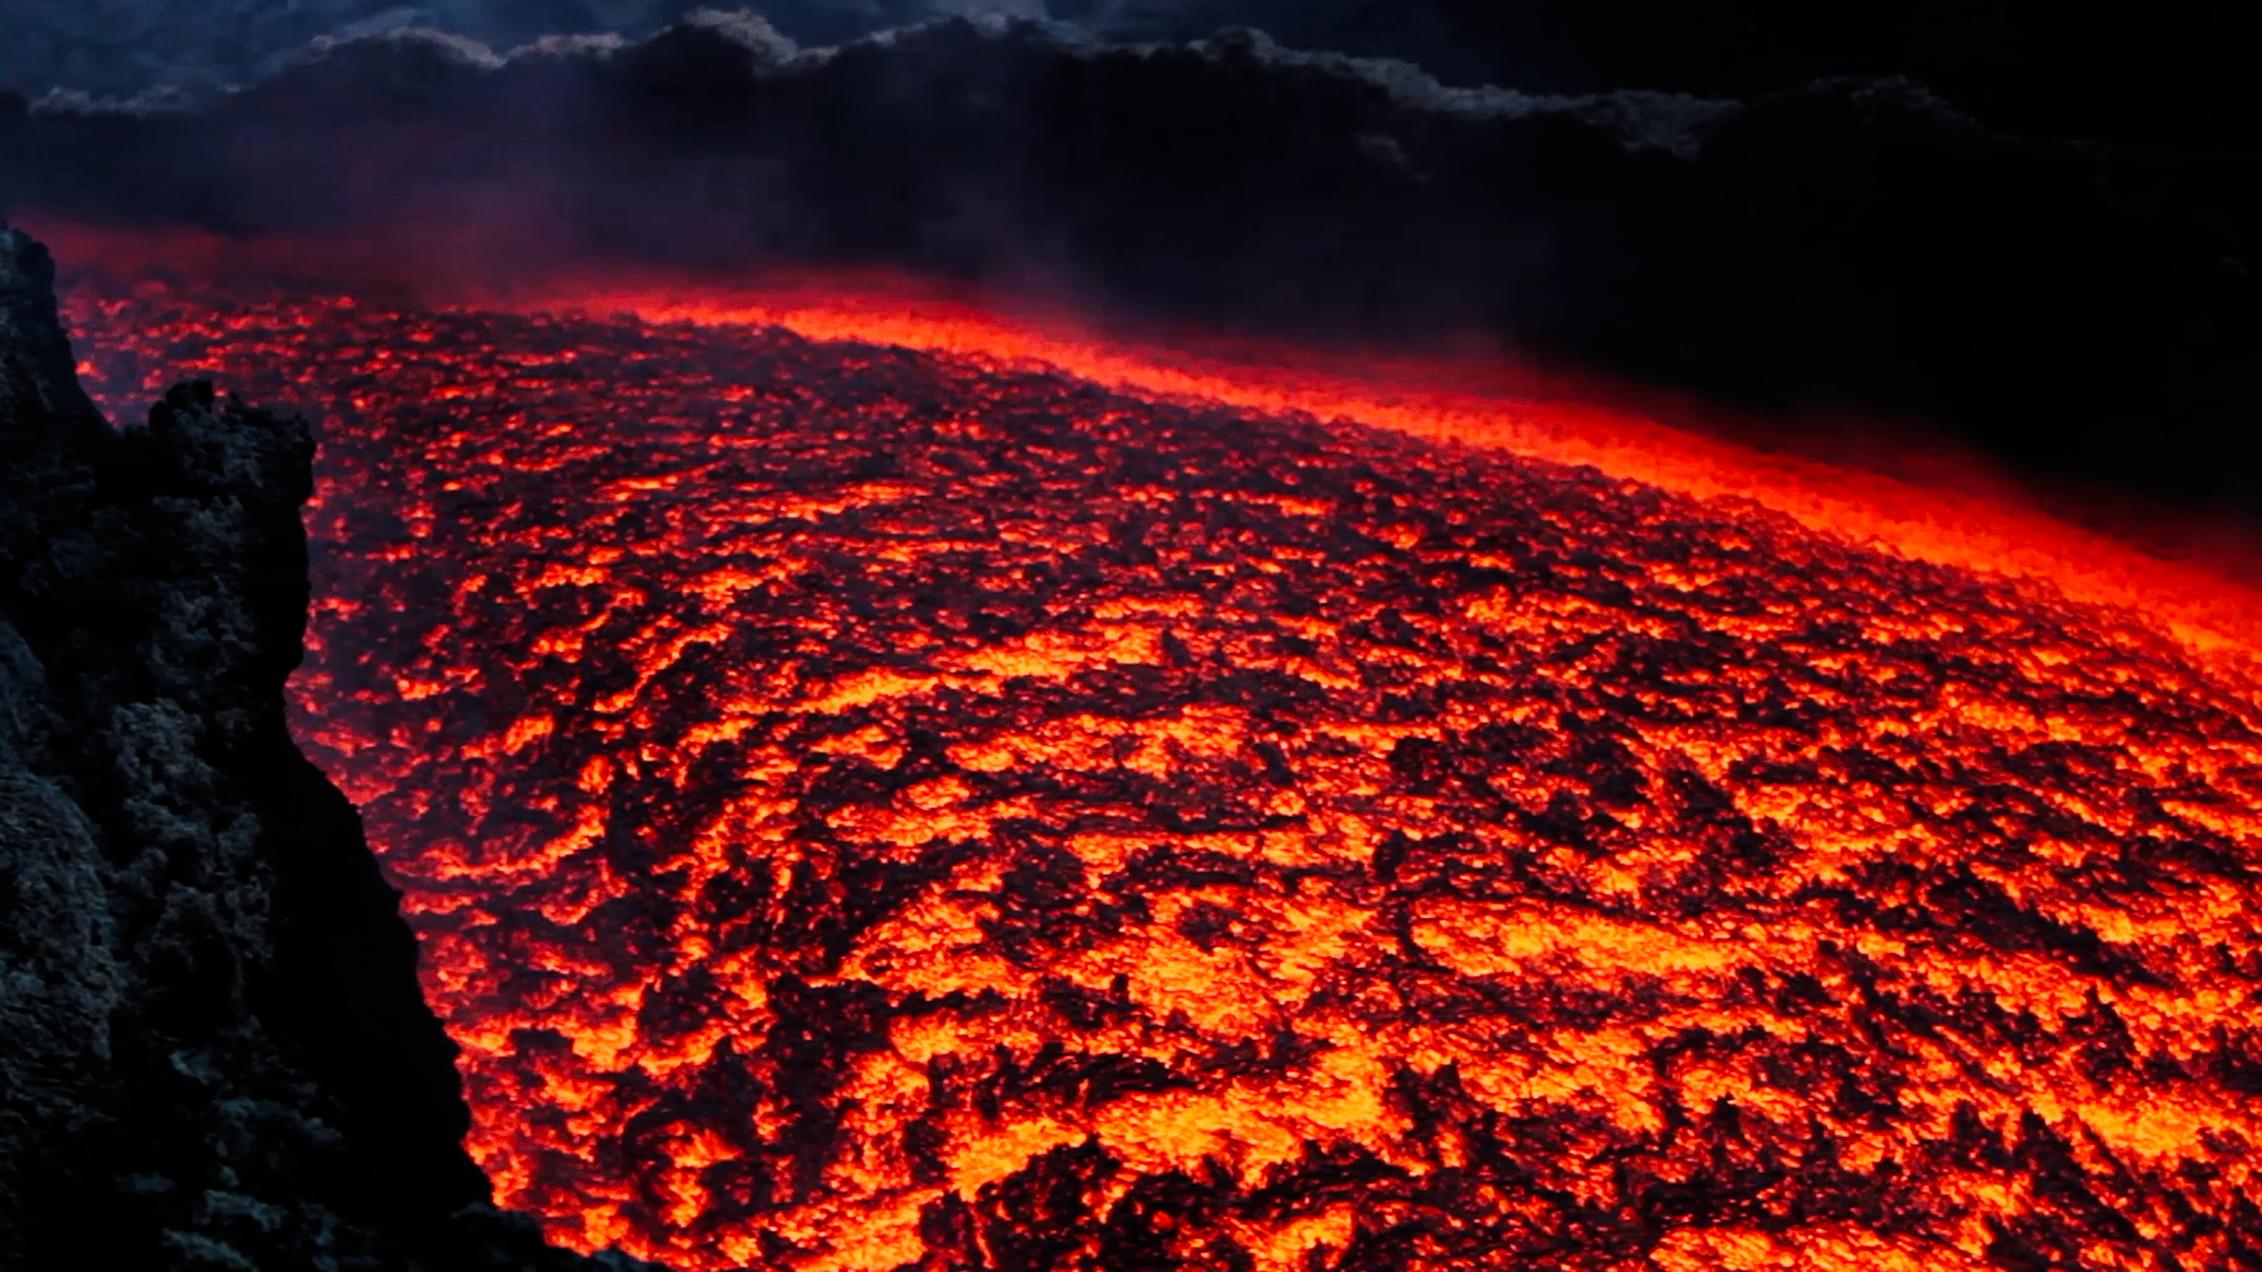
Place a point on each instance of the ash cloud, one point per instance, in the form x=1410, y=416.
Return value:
x=131, y=49
x=1852, y=242
x=2177, y=75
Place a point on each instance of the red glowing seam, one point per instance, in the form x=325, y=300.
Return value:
x=1983, y=527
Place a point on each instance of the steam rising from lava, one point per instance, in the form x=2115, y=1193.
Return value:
x=868, y=807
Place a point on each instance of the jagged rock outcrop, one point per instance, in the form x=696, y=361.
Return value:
x=213, y=1053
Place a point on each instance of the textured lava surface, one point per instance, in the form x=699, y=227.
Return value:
x=867, y=808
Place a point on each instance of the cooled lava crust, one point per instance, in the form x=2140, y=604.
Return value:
x=868, y=809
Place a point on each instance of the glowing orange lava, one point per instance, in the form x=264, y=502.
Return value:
x=868, y=808
x=1977, y=522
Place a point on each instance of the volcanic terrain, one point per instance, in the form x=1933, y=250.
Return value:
x=867, y=808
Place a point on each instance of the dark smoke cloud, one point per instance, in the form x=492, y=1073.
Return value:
x=2174, y=73
x=127, y=48
x=2079, y=308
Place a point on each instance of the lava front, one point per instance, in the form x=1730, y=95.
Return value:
x=870, y=809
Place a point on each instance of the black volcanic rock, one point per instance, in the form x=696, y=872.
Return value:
x=213, y=1053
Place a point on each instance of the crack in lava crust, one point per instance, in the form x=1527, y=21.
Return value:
x=864, y=808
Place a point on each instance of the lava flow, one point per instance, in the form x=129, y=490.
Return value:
x=868, y=808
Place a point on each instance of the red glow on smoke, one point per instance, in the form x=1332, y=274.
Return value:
x=1951, y=509
x=1043, y=802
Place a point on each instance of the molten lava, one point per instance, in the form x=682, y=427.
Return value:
x=868, y=807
